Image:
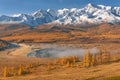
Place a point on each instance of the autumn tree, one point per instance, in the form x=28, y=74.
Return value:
x=21, y=70
x=84, y=60
x=105, y=55
x=49, y=66
x=68, y=60
x=13, y=71
x=6, y=72
x=93, y=60
x=87, y=59
x=75, y=59
x=99, y=58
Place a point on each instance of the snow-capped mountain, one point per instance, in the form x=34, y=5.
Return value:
x=90, y=14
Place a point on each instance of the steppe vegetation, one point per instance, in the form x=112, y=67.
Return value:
x=104, y=65
x=90, y=62
x=104, y=33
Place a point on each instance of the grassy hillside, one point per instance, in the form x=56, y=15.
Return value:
x=45, y=71
x=105, y=65
x=104, y=33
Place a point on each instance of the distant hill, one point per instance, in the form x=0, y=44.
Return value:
x=4, y=44
x=49, y=33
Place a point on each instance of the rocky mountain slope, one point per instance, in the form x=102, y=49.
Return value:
x=90, y=14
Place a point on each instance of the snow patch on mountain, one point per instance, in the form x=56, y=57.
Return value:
x=90, y=14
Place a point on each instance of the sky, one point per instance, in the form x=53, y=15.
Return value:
x=9, y=7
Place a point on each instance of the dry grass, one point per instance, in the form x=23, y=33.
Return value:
x=58, y=72
x=75, y=73
x=101, y=34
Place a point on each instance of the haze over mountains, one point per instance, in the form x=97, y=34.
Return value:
x=90, y=14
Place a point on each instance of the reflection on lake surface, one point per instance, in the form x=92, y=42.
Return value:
x=60, y=52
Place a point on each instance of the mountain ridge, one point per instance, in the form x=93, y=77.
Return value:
x=90, y=14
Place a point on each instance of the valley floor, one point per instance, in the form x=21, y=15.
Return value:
x=17, y=56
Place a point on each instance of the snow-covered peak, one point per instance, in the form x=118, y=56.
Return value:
x=90, y=5
x=90, y=14
x=105, y=7
x=52, y=12
x=63, y=11
x=16, y=15
x=39, y=13
x=73, y=9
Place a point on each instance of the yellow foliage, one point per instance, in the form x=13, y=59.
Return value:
x=93, y=60
x=49, y=66
x=13, y=71
x=68, y=61
x=21, y=70
x=88, y=59
x=6, y=72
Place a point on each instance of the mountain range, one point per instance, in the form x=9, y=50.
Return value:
x=90, y=14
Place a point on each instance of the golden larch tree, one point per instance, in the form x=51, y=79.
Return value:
x=88, y=59
x=6, y=72
x=84, y=60
x=21, y=70
x=93, y=60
